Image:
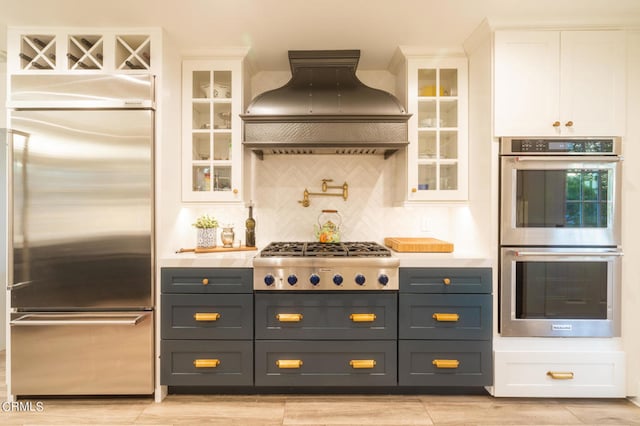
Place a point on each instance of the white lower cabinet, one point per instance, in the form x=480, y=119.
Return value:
x=559, y=374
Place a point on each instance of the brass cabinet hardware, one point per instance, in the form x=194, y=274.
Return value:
x=325, y=187
x=362, y=363
x=206, y=316
x=289, y=363
x=362, y=317
x=205, y=281
x=568, y=123
x=445, y=317
x=235, y=191
x=560, y=375
x=447, y=281
x=289, y=317
x=446, y=363
x=556, y=124
x=206, y=363
x=414, y=190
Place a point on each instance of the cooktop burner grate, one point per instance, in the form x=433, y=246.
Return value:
x=314, y=249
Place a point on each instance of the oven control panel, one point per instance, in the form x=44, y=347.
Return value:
x=531, y=146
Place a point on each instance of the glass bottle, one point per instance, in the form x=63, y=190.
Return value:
x=250, y=225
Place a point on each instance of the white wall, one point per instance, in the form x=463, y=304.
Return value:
x=630, y=224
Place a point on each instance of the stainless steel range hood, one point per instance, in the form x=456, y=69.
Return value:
x=325, y=109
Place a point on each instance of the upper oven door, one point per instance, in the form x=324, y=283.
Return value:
x=560, y=200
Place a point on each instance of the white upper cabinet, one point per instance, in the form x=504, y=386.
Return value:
x=437, y=165
x=83, y=50
x=211, y=130
x=559, y=83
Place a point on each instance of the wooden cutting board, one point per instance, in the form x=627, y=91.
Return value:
x=418, y=245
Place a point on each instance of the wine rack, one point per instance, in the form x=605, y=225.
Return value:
x=85, y=52
x=133, y=52
x=37, y=52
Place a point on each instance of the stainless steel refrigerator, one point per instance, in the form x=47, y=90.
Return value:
x=81, y=234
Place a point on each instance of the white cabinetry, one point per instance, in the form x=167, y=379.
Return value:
x=437, y=153
x=211, y=130
x=70, y=50
x=559, y=83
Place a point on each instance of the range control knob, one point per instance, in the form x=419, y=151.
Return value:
x=292, y=279
x=360, y=279
x=314, y=279
x=269, y=280
x=383, y=279
x=337, y=279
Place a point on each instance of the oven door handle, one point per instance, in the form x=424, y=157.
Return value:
x=573, y=159
x=519, y=253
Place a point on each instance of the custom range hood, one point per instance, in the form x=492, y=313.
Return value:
x=325, y=109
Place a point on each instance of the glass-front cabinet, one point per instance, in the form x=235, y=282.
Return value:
x=437, y=156
x=211, y=154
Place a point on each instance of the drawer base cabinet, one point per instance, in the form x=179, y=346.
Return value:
x=207, y=362
x=444, y=363
x=325, y=363
x=560, y=374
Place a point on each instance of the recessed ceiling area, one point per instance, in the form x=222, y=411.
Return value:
x=271, y=27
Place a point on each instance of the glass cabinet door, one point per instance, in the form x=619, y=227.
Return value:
x=211, y=128
x=437, y=100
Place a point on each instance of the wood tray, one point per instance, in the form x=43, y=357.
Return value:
x=215, y=249
x=418, y=245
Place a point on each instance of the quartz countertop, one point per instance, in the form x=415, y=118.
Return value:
x=244, y=259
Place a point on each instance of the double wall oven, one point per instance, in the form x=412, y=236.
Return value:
x=560, y=237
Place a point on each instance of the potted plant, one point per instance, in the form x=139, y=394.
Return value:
x=206, y=226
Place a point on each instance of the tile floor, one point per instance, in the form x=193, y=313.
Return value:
x=352, y=410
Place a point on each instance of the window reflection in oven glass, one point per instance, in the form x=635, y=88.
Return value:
x=564, y=290
x=563, y=198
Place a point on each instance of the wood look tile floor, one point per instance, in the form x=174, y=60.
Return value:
x=316, y=410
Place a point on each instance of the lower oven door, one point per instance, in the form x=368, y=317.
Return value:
x=556, y=292
x=82, y=353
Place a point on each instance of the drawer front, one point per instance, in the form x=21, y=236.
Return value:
x=206, y=363
x=207, y=280
x=445, y=280
x=444, y=363
x=445, y=316
x=560, y=374
x=327, y=363
x=207, y=316
x=326, y=316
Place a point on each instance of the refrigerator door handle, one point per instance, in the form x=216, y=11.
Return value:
x=94, y=319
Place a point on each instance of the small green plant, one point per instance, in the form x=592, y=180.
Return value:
x=206, y=221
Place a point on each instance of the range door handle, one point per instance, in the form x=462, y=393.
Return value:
x=519, y=253
x=446, y=363
x=289, y=317
x=362, y=317
x=442, y=317
x=78, y=319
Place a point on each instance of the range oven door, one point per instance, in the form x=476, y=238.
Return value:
x=555, y=292
x=560, y=200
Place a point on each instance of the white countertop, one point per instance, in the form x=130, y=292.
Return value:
x=244, y=259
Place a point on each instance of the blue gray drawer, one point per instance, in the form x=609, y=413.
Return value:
x=207, y=316
x=445, y=316
x=206, y=363
x=445, y=280
x=444, y=363
x=207, y=280
x=325, y=363
x=336, y=316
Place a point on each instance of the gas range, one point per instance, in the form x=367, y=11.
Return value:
x=325, y=266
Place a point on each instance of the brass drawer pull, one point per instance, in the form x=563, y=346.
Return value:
x=206, y=316
x=362, y=317
x=206, y=363
x=289, y=317
x=447, y=281
x=560, y=375
x=205, y=281
x=446, y=363
x=289, y=363
x=362, y=363
x=446, y=317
